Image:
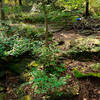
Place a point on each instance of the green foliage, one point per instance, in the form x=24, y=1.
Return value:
x=16, y=45
x=30, y=18
x=2, y=48
x=5, y=43
x=13, y=45
x=20, y=46
x=70, y=4
x=95, y=7
x=58, y=16
x=6, y=9
x=46, y=55
x=44, y=83
x=8, y=29
x=36, y=47
x=95, y=67
x=11, y=11
x=53, y=16
x=32, y=32
x=26, y=30
x=58, y=69
x=17, y=9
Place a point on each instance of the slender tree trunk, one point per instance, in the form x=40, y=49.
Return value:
x=46, y=22
x=20, y=2
x=87, y=8
x=15, y=2
x=2, y=11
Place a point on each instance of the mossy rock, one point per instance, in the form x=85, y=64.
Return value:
x=79, y=74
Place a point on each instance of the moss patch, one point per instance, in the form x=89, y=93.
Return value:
x=79, y=74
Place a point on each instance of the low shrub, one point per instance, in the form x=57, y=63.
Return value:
x=48, y=84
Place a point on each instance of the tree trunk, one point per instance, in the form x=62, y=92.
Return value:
x=15, y=2
x=2, y=11
x=87, y=8
x=20, y=2
x=46, y=22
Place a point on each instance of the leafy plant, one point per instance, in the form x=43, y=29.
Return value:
x=2, y=48
x=70, y=5
x=13, y=45
x=58, y=16
x=5, y=44
x=48, y=56
x=20, y=46
x=31, y=18
x=36, y=48
x=43, y=83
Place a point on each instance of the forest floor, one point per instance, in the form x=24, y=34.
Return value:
x=87, y=88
